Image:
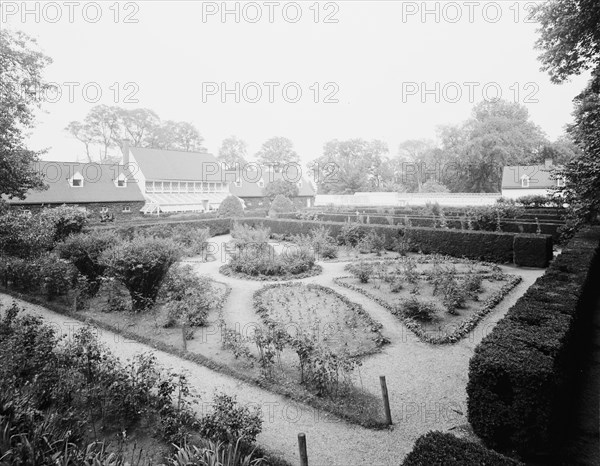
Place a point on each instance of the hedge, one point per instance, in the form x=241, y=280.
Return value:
x=440, y=449
x=477, y=245
x=530, y=251
x=216, y=226
x=519, y=375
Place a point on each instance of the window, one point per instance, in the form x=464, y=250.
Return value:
x=525, y=181
x=238, y=183
x=561, y=181
x=158, y=187
x=121, y=181
x=126, y=209
x=149, y=186
x=190, y=187
x=198, y=187
x=76, y=181
x=166, y=186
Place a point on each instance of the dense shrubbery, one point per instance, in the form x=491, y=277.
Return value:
x=243, y=234
x=256, y=259
x=55, y=393
x=520, y=371
x=536, y=201
x=441, y=449
x=141, y=264
x=84, y=250
x=320, y=241
x=26, y=235
x=231, y=207
x=188, y=297
x=280, y=205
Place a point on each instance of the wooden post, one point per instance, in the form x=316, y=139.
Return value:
x=302, y=448
x=183, y=336
x=386, y=400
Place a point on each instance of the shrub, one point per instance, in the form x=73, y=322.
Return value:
x=243, y=233
x=280, y=205
x=320, y=241
x=441, y=449
x=520, y=373
x=296, y=260
x=229, y=422
x=24, y=235
x=188, y=296
x=64, y=221
x=141, y=264
x=363, y=271
x=194, y=241
x=532, y=250
x=414, y=308
x=536, y=201
x=351, y=234
x=231, y=207
x=84, y=250
x=56, y=276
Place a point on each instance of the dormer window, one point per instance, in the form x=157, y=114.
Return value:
x=525, y=181
x=76, y=181
x=299, y=183
x=238, y=183
x=121, y=181
x=561, y=181
x=261, y=184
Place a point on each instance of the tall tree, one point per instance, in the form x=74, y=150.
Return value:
x=277, y=151
x=350, y=166
x=233, y=151
x=569, y=37
x=137, y=123
x=21, y=86
x=417, y=161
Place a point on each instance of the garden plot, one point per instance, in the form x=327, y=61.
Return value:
x=439, y=301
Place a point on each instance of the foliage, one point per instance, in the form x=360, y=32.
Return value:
x=281, y=204
x=24, y=235
x=538, y=201
x=189, y=297
x=351, y=234
x=320, y=241
x=231, y=207
x=520, y=369
x=285, y=188
x=64, y=221
x=349, y=166
x=141, y=264
x=243, y=233
x=363, y=271
x=434, y=186
x=84, y=250
x=214, y=454
x=277, y=151
x=261, y=259
x=442, y=449
x=569, y=39
x=417, y=309
x=231, y=422
x=233, y=152
x=21, y=92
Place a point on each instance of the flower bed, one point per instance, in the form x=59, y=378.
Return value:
x=227, y=271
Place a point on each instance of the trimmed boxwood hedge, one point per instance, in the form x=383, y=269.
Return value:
x=477, y=245
x=441, y=449
x=532, y=252
x=519, y=375
x=217, y=226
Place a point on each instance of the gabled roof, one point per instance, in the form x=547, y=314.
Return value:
x=98, y=184
x=167, y=165
x=250, y=188
x=540, y=176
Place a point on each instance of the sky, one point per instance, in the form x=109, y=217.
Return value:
x=310, y=71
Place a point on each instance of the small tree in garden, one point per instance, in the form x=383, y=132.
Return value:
x=281, y=205
x=189, y=297
x=64, y=221
x=231, y=207
x=84, y=250
x=141, y=265
x=23, y=235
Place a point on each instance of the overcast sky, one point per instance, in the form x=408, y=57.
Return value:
x=376, y=59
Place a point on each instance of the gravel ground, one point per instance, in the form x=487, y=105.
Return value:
x=426, y=383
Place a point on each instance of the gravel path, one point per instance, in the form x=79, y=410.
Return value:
x=426, y=382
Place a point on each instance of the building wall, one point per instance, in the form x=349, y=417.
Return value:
x=93, y=209
x=406, y=199
x=263, y=202
x=517, y=192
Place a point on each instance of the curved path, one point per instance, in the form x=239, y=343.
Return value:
x=426, y=382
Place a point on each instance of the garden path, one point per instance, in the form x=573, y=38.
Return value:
x=426, y=382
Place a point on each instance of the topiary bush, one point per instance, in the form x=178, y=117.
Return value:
x=280, y=205
x=441, y=449
x=231, y=207
x=141, y=264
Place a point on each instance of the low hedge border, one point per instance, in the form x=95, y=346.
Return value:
x=463, y=329
x=375, y=326
x=216, y=226
x=478, y=245
x=436, y=448
x=228, y=272
x=519, y=375
x=310, y=400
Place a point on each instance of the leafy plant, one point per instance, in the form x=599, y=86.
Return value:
x=231, y=207
x=417, y=309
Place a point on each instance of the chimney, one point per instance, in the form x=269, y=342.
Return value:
x=125, y=150
x=548, y=163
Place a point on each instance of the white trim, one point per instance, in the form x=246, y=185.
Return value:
x=76, y=177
